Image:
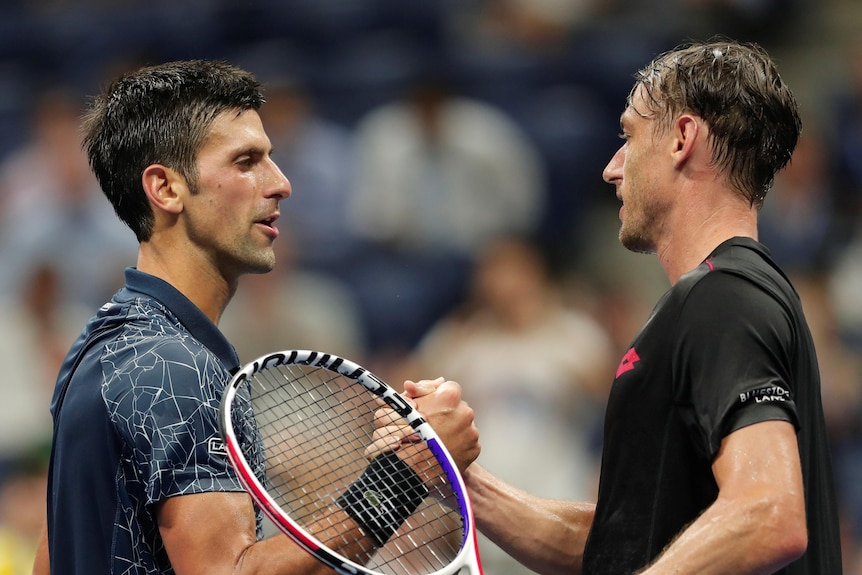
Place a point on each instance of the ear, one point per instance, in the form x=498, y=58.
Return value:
x=165, y=188
x=686, y=131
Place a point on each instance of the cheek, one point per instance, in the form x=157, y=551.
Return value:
x=225, y=198
x=631, y=161
x=639, y=173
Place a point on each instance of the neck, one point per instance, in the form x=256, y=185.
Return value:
x=700, y=230
x=209, y=291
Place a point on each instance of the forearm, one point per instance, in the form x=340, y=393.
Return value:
x=547, y=536
x=279, y=555
x=740, y=537
x=41, y=565
x=214, y=533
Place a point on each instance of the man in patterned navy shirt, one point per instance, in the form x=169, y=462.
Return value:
x=139, y=481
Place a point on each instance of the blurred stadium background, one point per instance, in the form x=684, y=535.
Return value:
x=392, y=118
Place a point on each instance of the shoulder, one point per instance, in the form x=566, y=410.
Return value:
x=154, y=354
x=735, y=293
x=739, y=267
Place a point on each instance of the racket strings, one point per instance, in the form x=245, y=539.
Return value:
x=313, y=427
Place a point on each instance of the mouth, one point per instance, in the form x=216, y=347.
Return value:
x=269, y=223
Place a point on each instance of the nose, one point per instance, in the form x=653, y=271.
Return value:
x=613, y=172
x=281, y=185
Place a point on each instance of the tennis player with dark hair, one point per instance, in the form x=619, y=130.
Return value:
x=715, y=456
x=139, y=480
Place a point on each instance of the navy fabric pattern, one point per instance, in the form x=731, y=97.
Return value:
x=160, y=377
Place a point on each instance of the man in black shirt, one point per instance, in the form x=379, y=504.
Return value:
x=715, y=457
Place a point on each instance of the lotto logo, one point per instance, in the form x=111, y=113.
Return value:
x=628, y=363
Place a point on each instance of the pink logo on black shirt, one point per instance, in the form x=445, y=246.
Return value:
x=628, y=363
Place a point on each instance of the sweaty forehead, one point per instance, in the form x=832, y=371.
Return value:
x=639, y=102
x=636, y=111
x=237, y=128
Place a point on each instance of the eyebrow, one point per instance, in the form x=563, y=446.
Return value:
x=253, y=150
x=626, y=116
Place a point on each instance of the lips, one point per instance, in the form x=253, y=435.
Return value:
x=269, y=223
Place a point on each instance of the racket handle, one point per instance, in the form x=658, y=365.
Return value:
x=383, y=497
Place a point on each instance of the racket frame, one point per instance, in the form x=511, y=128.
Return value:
x=393, y=399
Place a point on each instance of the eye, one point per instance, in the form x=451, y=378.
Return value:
x=247, y=161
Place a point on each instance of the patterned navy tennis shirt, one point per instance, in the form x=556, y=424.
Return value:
x=135, y=422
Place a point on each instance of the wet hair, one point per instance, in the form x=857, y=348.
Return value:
x=159, y=115
x=735, y=88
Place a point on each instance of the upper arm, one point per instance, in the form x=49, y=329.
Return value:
x=758, y=472
x=206, y=532
x=759, y=512
x=764, y=455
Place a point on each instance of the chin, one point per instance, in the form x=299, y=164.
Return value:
x=265, y=268
x=636, y=243
x=261, y=266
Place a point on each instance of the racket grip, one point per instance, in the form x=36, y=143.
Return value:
x=383, y=497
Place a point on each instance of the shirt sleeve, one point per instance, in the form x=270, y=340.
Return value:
x=165, y=405
x=731, y=359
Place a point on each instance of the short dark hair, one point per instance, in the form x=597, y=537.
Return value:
x=735, y=87
x=159, y=115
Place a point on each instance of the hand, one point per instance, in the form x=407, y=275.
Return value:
x=441, y=405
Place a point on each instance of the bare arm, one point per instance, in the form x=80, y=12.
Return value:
x=214, y=533
x=548, y=536
x=42, y=566
x=757, y=523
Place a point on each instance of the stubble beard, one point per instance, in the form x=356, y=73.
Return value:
x=248, y=259
x=636, y=243
x=637, y=230
x=261, y=262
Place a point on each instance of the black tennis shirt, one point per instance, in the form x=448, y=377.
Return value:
x=727, y=346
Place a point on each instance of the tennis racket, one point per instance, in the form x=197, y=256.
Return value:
x=298, y=426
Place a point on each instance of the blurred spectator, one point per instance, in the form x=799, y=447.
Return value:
x=37, y=329
x=22, y=511
x=50, y=155
x=316, y=155
x=51, y=210
x=624, y=285
x=845, y=287
x=489, y=26
x=441, y=172
x=798, y=223
x=845, y=116
x=292, y=308
x=531, y=367
x=438, y=176
x=841, y=376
